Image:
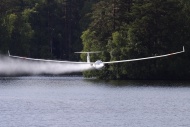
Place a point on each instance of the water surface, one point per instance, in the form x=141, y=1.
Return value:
x=79, y=102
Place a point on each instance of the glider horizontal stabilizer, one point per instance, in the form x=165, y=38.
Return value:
x=88, y=54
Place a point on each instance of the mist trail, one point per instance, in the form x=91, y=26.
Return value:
x=12, y=66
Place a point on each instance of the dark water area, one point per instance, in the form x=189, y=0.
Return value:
x=80, y=102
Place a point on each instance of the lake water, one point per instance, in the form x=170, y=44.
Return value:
x=79, y=102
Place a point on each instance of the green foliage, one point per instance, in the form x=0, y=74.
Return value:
x=40, y=28
x=121, y=29
x=157, y=30
x=145, y=28
x=9, y=23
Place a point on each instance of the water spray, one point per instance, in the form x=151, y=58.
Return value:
x=14, y=66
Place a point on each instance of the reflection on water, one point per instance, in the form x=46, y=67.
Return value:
x=79, y=102
x=137, y=83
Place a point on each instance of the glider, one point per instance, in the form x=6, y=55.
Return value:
x=98, y=64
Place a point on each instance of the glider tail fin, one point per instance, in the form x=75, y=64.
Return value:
x=88, y=54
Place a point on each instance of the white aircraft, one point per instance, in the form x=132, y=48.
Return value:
x=98, y=64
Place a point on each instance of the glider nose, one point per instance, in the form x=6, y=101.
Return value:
x=98, y=64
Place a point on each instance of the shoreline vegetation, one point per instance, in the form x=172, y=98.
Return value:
x=121, y=29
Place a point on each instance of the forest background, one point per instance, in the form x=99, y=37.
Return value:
x=121, y=29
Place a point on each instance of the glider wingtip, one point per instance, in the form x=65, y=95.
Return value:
x=9, y=53
x=183, y=49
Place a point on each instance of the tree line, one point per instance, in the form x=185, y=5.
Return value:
x=121, y=29
x=41, y=28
